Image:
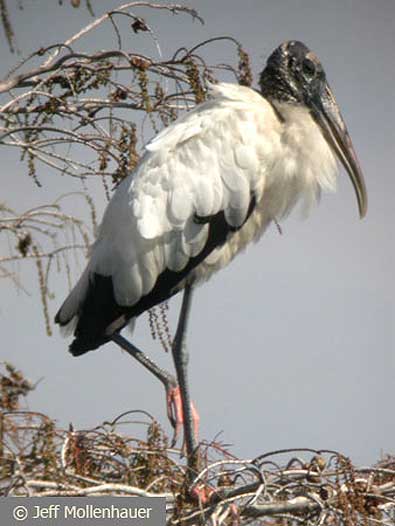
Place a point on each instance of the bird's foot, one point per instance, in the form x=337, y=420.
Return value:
x=202, y=493
x=176, y=414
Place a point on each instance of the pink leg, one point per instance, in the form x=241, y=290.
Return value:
x=176, y=414
x=173, y=391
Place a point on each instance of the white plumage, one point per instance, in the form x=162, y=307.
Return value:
x=217, y=157
x=207, y=186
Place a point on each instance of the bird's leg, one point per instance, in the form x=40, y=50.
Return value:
x=176, y=415
x=174, y=410
x=180, y=356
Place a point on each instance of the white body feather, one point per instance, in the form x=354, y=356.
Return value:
x=212, y=159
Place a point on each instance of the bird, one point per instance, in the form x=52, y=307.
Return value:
x=207, y=186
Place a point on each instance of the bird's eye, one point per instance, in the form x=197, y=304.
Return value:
x=308, y=68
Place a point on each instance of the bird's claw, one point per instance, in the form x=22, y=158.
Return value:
x=202, y=493
x=174, y=411
x=176, y=414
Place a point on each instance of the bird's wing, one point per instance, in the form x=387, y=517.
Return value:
x=213, y=159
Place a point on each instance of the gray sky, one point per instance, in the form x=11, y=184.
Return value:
x=293, y=345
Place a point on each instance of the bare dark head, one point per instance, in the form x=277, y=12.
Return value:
x=294, y=75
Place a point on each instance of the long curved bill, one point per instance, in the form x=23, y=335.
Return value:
x=327, y=115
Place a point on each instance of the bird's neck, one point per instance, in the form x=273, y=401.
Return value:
x=306, y=157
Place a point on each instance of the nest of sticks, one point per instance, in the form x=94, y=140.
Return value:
x=131, y=456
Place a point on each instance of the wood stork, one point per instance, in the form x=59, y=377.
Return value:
x=209, y=184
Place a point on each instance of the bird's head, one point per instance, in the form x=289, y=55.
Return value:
x=294, y=75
